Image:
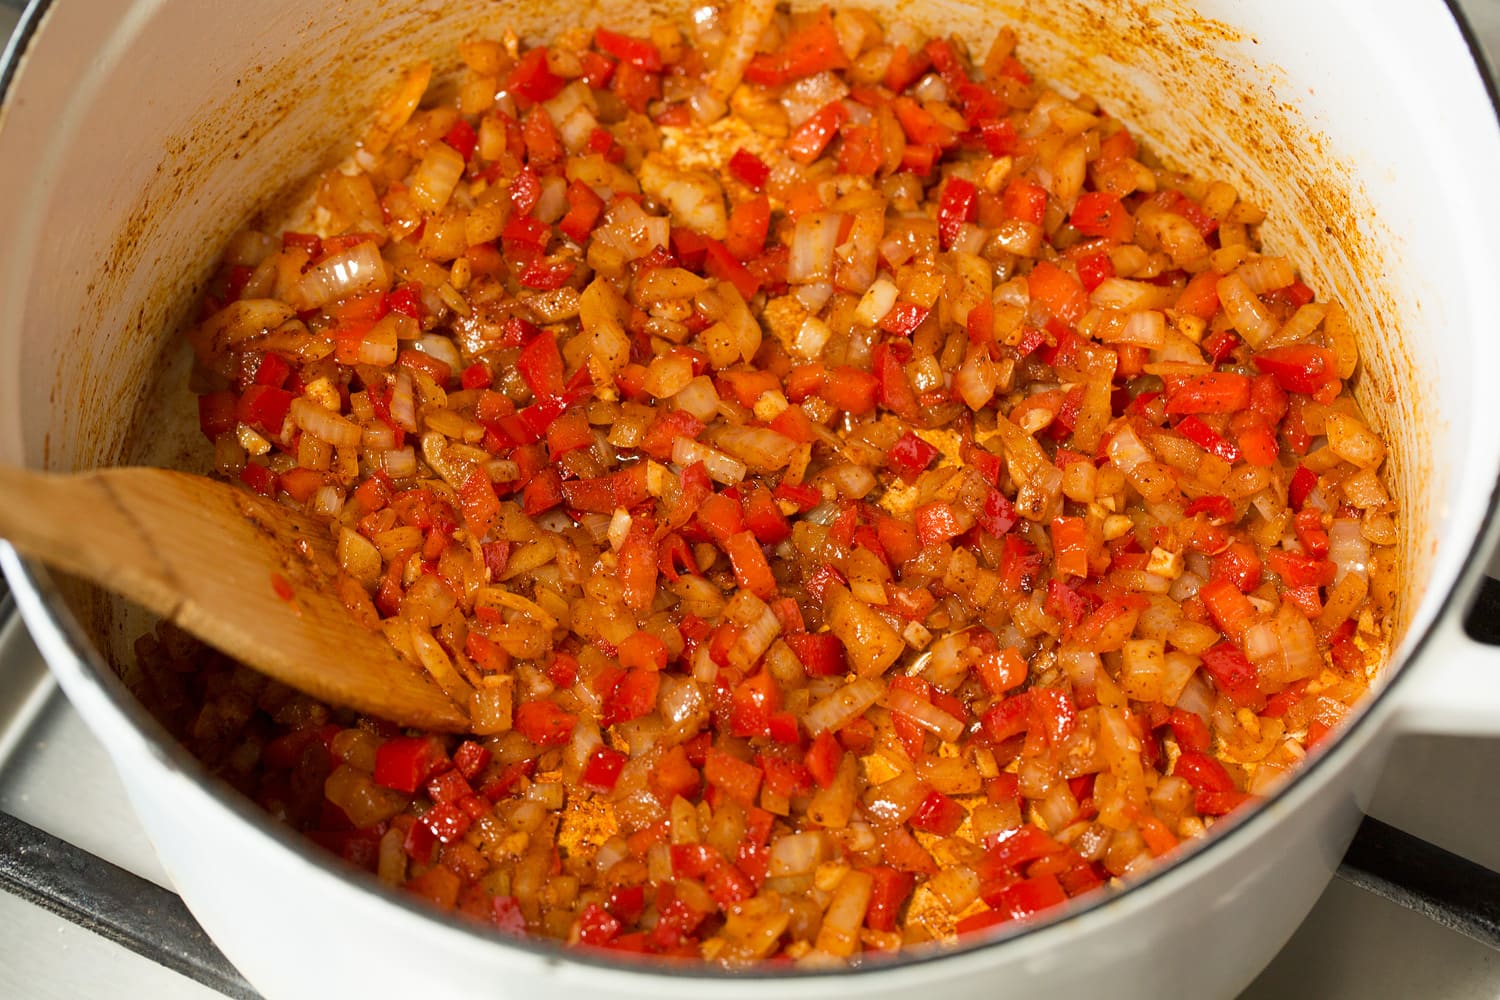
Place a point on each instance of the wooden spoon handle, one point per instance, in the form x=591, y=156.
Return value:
x=245, y=574
x=79, y=525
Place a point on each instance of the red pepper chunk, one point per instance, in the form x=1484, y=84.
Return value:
x=1208, y=439
x=531, y=79
x=955, y=208
x=405, y=763
x=1233, y=674
x=1100, y=214
x=602, y=771
x=809, y=140
x=1214, y=392
x=639, y=52
x=216, y=413
x=1203, y=772
x=810, y=50
x=1030, y=897
x=1070, y=546
x=732, y=776
x=1190, y=731
x=751, y=569
x=1300, y=367
x=910, y=456
x=544, y=723
x=749, y=169
x=1059, y=293
x=821, y=653
x=938, y=814
x=936, y=523
x=584, y=209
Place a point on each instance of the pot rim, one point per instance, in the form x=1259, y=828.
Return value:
x=60, y=629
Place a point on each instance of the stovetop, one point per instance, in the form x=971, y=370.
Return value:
x=1357, y=943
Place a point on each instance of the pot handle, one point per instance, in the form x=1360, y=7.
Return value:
x=1456, y=690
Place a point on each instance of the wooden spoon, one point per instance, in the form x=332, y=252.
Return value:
x=245, y=574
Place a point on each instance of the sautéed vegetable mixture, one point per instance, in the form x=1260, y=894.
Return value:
x=861, y=496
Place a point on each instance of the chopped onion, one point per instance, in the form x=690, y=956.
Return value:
x=760, y=448
x=924, y=713
x=814, y=296
x=720, y=467
x=878, y=300
x=699, y=398
x=1246, y=312
x=843, y=706
x=975, y=380
x=1352, y=441
x=810, y=255
x=357, y=269
x=797, y=853
x=403, y=405
x=399, y=463
x=808, y=95
x=812, y=335
x=1126, y=451
x=435, y=345
x=436, y=177
x=1347, y=549
x=325, y=424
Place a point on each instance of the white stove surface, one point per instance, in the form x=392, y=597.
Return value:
x=1354, y=945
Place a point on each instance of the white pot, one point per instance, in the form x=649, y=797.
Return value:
x=137, y=136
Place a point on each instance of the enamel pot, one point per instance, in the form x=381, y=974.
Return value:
x=137, y=135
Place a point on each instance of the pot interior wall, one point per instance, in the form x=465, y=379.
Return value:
x=151, y=163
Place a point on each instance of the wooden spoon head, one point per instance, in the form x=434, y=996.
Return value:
x=254, y=579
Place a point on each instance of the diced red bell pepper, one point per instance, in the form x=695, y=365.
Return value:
x=749, y=169
x=922, y=128
x=632, y=697
x=1059, y=293
x=216, y=413
x=1231, y=609
x=1025, y=201
x=1299, y=367
x=1233, y=674
x=737, y=779
x=808, y=141
x=749, y=223
x=531, y=79
x=584, y=209
x=821, y=653
x=1303, y=482
x=1190, y=731
x=936, y=523
x=639, y=52
x=265, y=408
x=811, y=49
x=1208, y=439
x=1010, y=717
x=955, y=208
x=1101, y=214
x=753, y=703
x=823, y=757
x=910, y=456
x=938, y=814
x=603, y=769
x=406, y=762
x=1030, y=897
x=764, y=518
x=1214, y=392
x=1203, y=772
x=544, y=723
